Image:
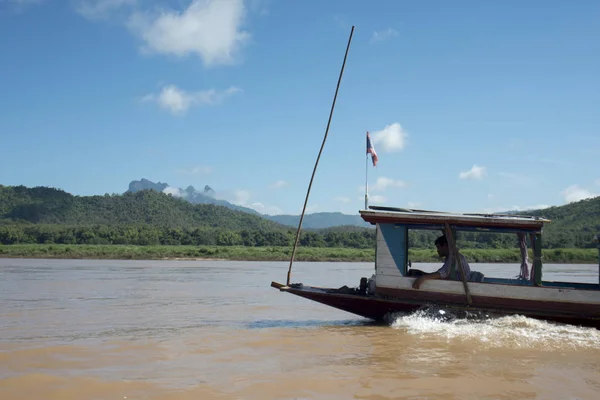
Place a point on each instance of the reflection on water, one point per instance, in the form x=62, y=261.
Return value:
x=216, y=330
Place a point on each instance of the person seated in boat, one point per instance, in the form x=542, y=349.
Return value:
x=445, y=271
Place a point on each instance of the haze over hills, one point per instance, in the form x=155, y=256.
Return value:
x=209, y=196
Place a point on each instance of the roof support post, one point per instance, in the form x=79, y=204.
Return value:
x=457, y=260
x=597, y=240
x=537, y=259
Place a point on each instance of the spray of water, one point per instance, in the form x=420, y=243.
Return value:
x=495, y=331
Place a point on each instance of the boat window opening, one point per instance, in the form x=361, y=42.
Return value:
x=474, y=246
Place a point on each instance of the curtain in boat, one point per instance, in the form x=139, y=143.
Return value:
x=524, y=274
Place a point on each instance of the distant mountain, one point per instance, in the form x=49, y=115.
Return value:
x=207, y=196
x=145, y=184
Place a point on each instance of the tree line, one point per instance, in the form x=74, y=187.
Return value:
x=48, y=215
x=148, y=235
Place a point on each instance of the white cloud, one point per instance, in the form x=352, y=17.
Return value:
x=576, y=193
x=378, y=199
x=391, y=138
x=173, y=191
x=241, y=197
x=178, y=101
x=476, y=172
x=278, y=184
x=491, y=196
x=597, y=182
x=98, y=9
x=197, y=170
x=382, y=183
x=412, y=204
x=379, y=36
x=266, y=209
x=310, y=209
x=210, y=29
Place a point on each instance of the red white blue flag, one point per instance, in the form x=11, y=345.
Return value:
x=371, y=150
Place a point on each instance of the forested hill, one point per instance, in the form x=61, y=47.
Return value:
x=42, y=205
x=572, y=225
x=47, y=215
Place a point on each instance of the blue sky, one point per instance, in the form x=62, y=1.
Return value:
x=472, y=105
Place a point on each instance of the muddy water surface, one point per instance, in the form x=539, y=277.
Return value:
x=75, y=329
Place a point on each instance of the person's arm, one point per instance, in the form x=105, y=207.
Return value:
x=441, y=273
x=418, y=282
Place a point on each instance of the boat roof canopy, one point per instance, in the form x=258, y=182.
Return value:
x=423, y=219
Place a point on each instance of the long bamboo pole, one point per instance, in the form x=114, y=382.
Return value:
x=318, y=157
x=454, y=249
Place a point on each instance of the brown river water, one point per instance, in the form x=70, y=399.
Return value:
x=105, y=329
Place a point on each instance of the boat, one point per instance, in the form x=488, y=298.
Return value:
x=389, y=291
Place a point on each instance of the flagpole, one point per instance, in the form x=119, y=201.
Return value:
x=366, y=181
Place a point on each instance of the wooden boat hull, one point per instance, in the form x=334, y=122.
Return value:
x=388, y=301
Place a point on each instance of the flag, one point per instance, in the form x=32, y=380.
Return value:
x=371, y=149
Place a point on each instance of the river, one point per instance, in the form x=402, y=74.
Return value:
x=106, y=329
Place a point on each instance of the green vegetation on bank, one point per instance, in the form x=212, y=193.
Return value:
x=47, y=222
x=274, y=253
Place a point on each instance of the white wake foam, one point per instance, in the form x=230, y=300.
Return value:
x=507, y=331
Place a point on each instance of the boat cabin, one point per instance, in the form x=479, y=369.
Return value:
x=392, y=234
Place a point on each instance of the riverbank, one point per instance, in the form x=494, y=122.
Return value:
x=242, y=253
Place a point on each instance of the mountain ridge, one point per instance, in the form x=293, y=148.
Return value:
x=208, y=196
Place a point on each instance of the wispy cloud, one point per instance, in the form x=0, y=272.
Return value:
x=22, y=2
x=597, y=182
x=178, y=101
x=18, y=6
x=493, y=210
x=576, y=193
x=197, y=170
x=382, y=183
x=265, y=209
x=244, y=198
x=375, y=198
x=379, y=36
x=378, y=199
x=341, y=21
x=475, y=173
x=278, y=184
x=554, y=161
x=261, y=7
x=391, y=138
x=309, y=209
x=413, y=204
x=209, y=29
x=342, y=199
x=173, y=191
x=515, y=178
x=100, y=9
